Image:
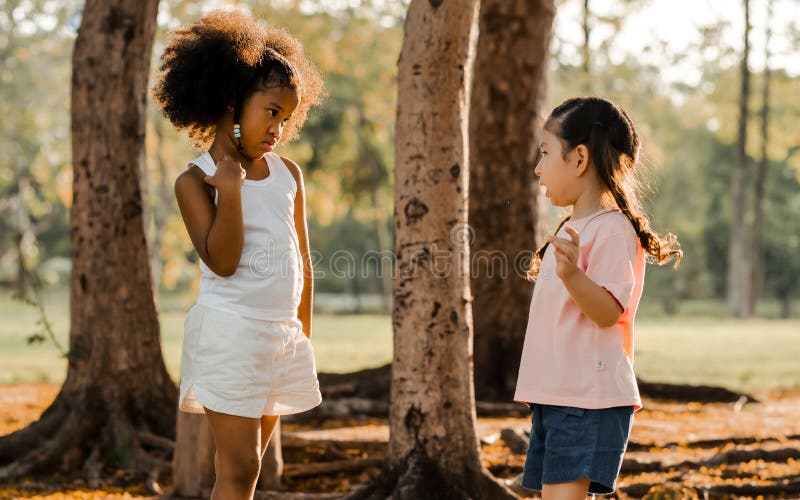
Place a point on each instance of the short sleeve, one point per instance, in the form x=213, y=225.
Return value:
x=205, y=163
x=610, y=264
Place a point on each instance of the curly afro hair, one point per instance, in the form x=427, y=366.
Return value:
x=220, y=61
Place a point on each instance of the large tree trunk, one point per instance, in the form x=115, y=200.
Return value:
x=738, y=258
x=117, y=398
x=508, y=97
x=433, y=451
x=761, y=174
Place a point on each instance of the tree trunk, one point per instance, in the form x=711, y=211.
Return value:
x=785, y=300
x=508, y=97
x=272, y=463
x=22, y=228
x=738, y=259
x=117, y=386
x=433, y=451
x=761, y=174
x=193, y=459
x=586, y=49
x=162, y=205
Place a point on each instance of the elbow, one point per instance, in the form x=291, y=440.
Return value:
x=222, y=269
x=226, y=271
x=609, y=321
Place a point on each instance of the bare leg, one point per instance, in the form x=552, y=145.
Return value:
x=267, y=426
x=237, y=461
x=575, y=490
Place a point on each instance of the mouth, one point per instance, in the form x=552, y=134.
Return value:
x=269, y=145
x=543, y=190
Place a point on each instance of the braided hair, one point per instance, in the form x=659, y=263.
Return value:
x=608, y=133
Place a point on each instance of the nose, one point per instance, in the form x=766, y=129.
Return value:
x=276, y=128
x=538, y=169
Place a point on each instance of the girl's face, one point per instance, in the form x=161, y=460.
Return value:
x=557, y=172
x=264, y=116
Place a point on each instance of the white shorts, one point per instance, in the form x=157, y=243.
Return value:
x=246, y=367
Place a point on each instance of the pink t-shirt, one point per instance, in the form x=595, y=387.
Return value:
x=567, y=359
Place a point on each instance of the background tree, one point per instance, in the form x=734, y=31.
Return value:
x=508, y=98
x=33, y=133
x=761, y=171
x=433, y=448
x=738, y=256
x=117, y=396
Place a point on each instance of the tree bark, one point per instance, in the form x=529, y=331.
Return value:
x=193, y=459
x=433, y=451
x=508, y=98
x=761, y=173
x=117, y=386
x=738, y=256
x=272, y=463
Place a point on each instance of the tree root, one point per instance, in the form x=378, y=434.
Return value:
x=46, y=455
x=69, y=441
x=29, y=437
x=631, y=466
x=420, y=478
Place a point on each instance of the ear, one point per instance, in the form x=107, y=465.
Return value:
x=581, y=159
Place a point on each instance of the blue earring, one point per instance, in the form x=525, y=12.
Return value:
x=237, y=131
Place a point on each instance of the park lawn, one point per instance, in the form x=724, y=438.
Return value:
x=752, y=355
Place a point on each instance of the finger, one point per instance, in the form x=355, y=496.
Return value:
x=561, y=244
x=573, y=235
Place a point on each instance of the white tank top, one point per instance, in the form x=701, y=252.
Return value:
x=268, y=282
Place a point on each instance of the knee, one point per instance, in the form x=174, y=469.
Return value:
x=241, y=469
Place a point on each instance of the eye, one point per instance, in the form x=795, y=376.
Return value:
x=272, y=112
x=285, y=121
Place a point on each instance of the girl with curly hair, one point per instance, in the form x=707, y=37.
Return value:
x=242, y=89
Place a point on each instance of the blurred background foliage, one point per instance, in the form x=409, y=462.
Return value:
x=346, y=149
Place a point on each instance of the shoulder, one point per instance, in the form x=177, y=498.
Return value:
x=193, y=178
x=604, y=227
x=294, y=170
x=613, y=232
x=616, y=223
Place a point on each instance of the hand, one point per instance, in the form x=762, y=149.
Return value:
x=567, y=253
x=229, y=175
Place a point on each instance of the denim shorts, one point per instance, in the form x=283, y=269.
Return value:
x=568, y=444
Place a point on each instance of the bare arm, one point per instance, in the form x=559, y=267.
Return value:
x=216, y=231
x=594, y=301
x=307, y=299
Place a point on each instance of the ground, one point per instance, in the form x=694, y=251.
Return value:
x=724, y=450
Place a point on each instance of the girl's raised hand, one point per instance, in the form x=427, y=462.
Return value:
x=567, y=252
x=229, y=175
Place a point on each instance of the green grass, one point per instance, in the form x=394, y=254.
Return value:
x=341, y=342
x=753, y=355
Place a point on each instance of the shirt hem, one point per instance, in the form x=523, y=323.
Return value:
x=588, y=404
